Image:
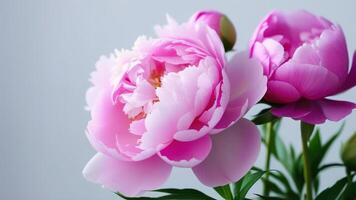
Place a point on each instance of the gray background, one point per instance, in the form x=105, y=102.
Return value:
x=47, y=50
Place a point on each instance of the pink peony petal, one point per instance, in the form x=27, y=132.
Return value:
x=351, y=78
x=128, y=178
x=178, y=103
x=333, y=52
x=312, y=81
x=233, y=153
x=281, y=92
x=293, y=110
x=186, y=154
x=316, y=115
x=248, y=84
x=275, y=51
x=336, y=110
x=103, y=127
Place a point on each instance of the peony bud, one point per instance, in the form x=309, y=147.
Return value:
x=348, y=153
x=221, y=24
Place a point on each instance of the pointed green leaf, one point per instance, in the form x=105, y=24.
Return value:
x=248, y=181
x=224, y=191
x=334, y=191
x=349, y=192
x=171, y=193
x=264, y=117
x=270, y=198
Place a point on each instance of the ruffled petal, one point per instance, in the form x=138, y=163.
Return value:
x=187, y=154
x=182, y=98
x=233, y=153
x=128, y=178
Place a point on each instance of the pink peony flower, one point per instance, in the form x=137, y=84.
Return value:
x=172, y=101
x=306, y=60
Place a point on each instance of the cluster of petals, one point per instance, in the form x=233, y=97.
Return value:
x=173, y=101
x=306, y=60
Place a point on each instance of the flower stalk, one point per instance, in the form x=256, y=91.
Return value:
x=269, y=145
x=306, y=131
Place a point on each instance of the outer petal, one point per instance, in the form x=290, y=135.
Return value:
x=293, y=110
x=351, y=78
x=333, y=51
x=315, y=112
x=233, y=153
x=107, y=123
x=336, y=110
x=281, y=92
x=312, y=81
x=304, y=110
x=187, y=154
x=128, y=178
x=248, y=85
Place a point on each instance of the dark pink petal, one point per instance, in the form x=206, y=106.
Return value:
x=129, y=178
x=293, y=110
x=315, y=112
x=331, y=47
x=281, y=92
x=316, y=115
x=351, y=78
x=336, y=110
x=187, y=154
x=233, y=153
x=312, y=81
x=290, y=25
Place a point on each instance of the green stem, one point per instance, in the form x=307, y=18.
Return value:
x=307, y=170
x=269, y=145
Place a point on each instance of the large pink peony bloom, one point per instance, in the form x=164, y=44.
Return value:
x=306, y=60
x=172, y=101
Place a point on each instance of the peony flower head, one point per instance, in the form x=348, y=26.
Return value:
x=172, y=101
x=306, y=60
x=220, y=23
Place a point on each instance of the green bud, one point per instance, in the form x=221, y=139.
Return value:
x=348, y=153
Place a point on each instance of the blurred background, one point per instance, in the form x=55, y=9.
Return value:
x=48, y=49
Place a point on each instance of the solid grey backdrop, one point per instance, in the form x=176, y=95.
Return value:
x=49, y=47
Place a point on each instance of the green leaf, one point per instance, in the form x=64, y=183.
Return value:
x=134, y=198
x=248, y=181
x=316, y=183
x=318, y=150
x=334, y=191
x=264, y=117
x=270, y=198
x=349, y=192
x=282, y=179
x=275, y=188
x=187, y=194
x=236, y=187
x=224, y=191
